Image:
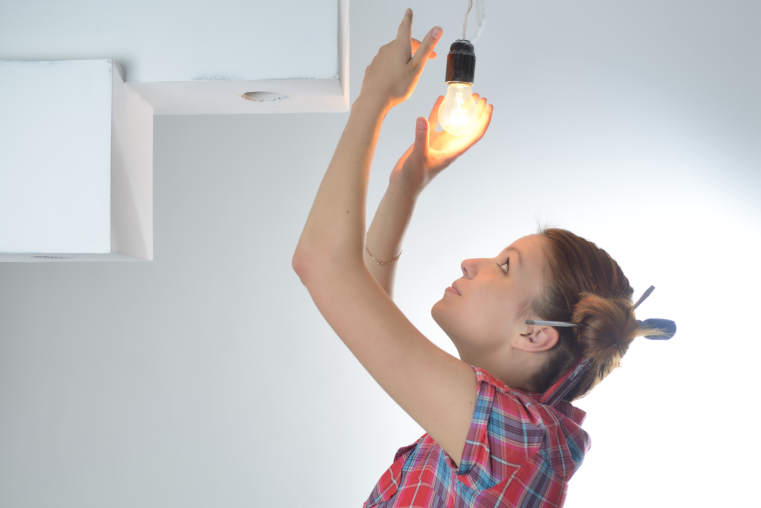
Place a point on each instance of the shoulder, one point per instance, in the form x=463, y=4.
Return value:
x=523, y=401
x=517, y=426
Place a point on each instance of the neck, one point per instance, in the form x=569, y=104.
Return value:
x=512, y=366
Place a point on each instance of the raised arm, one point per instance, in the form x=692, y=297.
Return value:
x=417, y=167
x=436, y=389
x=386, y=233
x=335, y=229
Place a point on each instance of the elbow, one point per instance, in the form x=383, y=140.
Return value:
x=297, y=263
x=302, y=265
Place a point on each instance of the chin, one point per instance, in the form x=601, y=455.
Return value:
x=440, y=317
x=436, y=312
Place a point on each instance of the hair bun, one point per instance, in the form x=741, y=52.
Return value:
x=609, y=328
x=584, y=284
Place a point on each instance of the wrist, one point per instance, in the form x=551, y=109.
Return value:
x=401, y=190
x=370, y=104
x=403, y=180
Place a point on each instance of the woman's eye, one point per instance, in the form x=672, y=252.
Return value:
x=506, y=264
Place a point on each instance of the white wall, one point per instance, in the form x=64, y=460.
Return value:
x=209, y=378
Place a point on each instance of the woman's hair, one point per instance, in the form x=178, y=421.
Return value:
x=583, y=284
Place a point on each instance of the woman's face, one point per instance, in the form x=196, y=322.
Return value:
x=487, y=312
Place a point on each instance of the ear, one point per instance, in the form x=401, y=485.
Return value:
x=538, y=338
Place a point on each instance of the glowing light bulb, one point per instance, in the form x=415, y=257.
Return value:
x=458, y=111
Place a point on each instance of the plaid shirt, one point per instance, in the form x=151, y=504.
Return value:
x=519, y=453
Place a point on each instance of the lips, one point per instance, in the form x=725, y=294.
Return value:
x=455, y=287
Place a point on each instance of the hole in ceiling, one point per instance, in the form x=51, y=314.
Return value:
x=264, y=96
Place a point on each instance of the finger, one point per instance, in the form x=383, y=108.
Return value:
x=462, y=143
x=420, y=149
x=483, y=123
x=433, y=118
x=474, y=134
x=404, y=33
x=426, y=47
x=480, y=105
x=476, y=97
x=416, y=44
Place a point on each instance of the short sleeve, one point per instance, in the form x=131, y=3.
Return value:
x=504, y=434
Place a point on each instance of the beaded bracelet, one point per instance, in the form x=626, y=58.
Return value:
x=382, y=262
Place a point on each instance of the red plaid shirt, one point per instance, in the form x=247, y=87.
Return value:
x=519, y=453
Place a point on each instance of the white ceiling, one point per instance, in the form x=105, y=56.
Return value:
x=164, y=40
x=196, y=57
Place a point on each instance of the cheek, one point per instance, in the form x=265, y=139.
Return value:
x=495, y=312
x=488, y=319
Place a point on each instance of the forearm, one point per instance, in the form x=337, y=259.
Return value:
x=335, y=228
x=386, y=233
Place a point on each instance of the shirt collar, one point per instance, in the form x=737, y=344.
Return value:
x=563, y=407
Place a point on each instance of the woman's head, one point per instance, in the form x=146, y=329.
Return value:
x=556, y=276
x=485, y=317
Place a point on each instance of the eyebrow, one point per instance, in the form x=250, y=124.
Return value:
x=517, y=252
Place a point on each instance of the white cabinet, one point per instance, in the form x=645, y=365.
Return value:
x=76, y=163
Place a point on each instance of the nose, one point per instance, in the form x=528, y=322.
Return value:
x=469, y=268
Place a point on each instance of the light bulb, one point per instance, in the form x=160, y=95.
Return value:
x=458, y=111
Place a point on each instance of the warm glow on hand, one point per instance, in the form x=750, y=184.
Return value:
x=434, y=151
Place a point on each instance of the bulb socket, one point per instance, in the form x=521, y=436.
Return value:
x=461, y=62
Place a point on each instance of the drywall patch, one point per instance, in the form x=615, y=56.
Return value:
x=213, y=77
x=264, y=96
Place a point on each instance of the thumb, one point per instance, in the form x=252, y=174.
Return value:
x=420, y=150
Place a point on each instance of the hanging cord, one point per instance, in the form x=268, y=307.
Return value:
x=465, y=22
x=480, y=17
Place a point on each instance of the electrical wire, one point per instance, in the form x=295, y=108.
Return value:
x=480, y=18
x=465, y=22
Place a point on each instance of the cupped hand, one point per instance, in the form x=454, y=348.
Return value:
x=392, y=75
x=432, y=151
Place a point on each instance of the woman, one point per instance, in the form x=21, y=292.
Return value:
x=493, y=438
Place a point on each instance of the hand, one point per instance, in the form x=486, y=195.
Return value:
x=392, y=75
x=432, y=152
